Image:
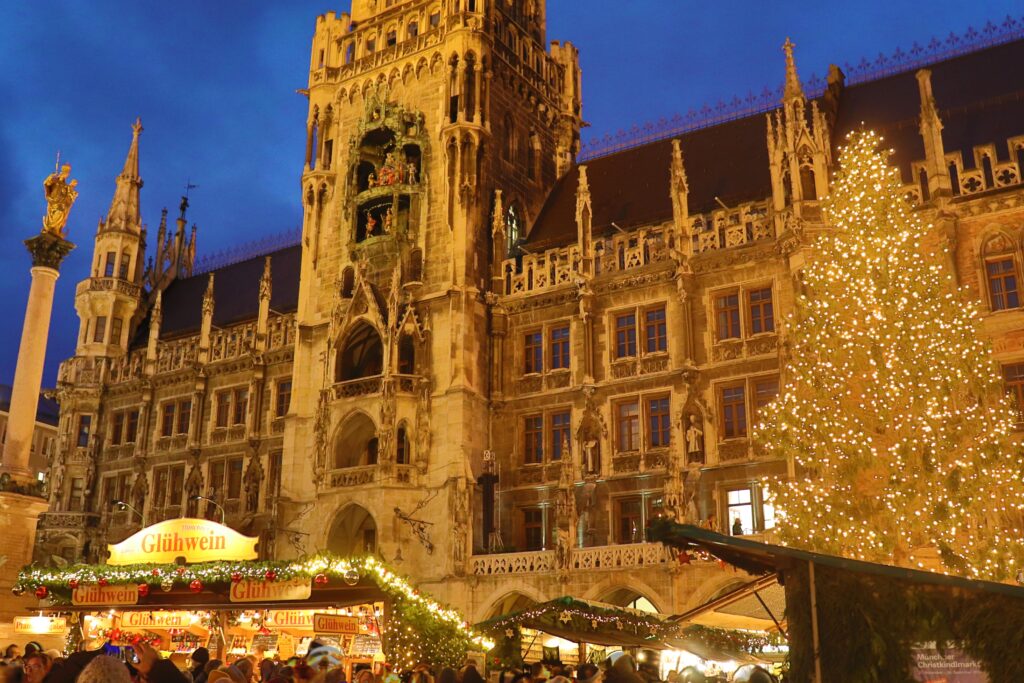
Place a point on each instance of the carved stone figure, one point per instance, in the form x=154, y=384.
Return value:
x=410, y=173
x=57, y=480
x=371, y=223
x=60, y=195
x=253, y=479
x=694, y=438
x=389, y=217
x=591, y=431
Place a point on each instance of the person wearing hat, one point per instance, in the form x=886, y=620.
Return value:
x=200, y=656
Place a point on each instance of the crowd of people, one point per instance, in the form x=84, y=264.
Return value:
x=320, y=665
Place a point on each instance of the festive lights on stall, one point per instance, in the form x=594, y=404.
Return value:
x=892, y=408
x=57, y=584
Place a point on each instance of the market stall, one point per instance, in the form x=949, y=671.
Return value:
x=571, y=631
x=853, y=620
x=186, y=583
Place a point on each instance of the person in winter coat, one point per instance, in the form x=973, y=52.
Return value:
x=200, y=656
x=623, y=670
x=104, y=669
x=154, y=668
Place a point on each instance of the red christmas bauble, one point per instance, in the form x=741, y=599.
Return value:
x=195, y=586
x=42, y=592
x=270, y=575
x=236, y=577
x=102, y=582
x=320, y=579
x=180, y=570
x=143, y=590
x=73, y=584
x=155, y=572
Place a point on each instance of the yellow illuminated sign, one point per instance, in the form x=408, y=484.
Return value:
x=335, y=624
x=197, y=540
x=39, y=626
x=270, y=591
x=164, y=620
x=105, y=595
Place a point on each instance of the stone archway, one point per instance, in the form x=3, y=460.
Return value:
x=354, y=532
x=628, y=597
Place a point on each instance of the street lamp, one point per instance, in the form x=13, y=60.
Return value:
x=212, y=502
x=122, y=506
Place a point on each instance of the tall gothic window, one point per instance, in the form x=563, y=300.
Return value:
x=513, y=230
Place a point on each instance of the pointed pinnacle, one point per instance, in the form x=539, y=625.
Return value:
x=793, y=87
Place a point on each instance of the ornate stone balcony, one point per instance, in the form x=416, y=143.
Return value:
x=624, y=556
x=354, y=476
x=69, y=520
x=513, y=563
x=365, y=386
x=639, y=365
x=108, y=284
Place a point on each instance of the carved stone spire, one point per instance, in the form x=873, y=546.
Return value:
x=124, y=211
x=679, y=192
x=155, y=320
x=263, y=315
x=584, y=214
x=931, y=135
x=793, y=88
x=207, y=324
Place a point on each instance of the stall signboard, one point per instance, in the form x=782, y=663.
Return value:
x=271, y=591
x=335, y=624
x=290, y=618
x=161, y=620
x=40, y=626
x=951, y=665
x=196, y=540
x=96, y=595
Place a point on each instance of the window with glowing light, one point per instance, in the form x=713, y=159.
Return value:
x=1013, y=380
x=759, y=309
x=1001, y=275
x=740, y=505
x=732, y=407
x=727, y=316
x=627, y=426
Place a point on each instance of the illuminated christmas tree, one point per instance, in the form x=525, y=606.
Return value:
x=892, y=407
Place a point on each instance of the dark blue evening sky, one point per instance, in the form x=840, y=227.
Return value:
x=214, y=82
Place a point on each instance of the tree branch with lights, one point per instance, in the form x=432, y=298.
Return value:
x=892, y=409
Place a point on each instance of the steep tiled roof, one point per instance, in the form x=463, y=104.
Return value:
x=980, y=99
x=236, y=294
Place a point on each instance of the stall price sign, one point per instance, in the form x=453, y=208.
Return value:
x=40, y=626
x=162, y=620
x=195, y=540
x=335, y=624
x=105, y=595
x=271, y=591
x=267, y=642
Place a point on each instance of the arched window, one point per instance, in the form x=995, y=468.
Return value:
x=513, y=229
x=350, y=53
x=509, y=147
x=415, y=266
x=125, y=261
x=1001, y=275
x=808, y=190
x=357, y=443
x=414, y=29
x=406, y=355
x=354, y=532
x=361, y=356
x=402, y=447
x=347, y=282
x=922, y=179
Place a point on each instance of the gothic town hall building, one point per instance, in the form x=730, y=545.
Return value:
x=486, y=361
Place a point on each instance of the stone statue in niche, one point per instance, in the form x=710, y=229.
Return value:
x=410, y=173
x=694, y=440
x=371, y=180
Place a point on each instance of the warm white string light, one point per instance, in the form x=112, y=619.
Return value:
x=892, y=408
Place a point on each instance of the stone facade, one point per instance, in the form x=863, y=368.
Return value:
x=484, y=362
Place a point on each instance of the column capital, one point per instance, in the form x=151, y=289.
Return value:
x=48, y=250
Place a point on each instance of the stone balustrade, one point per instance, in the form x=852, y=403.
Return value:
x=537, y=272
x=724, y=229
x=108, y=284
x=623, y=556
